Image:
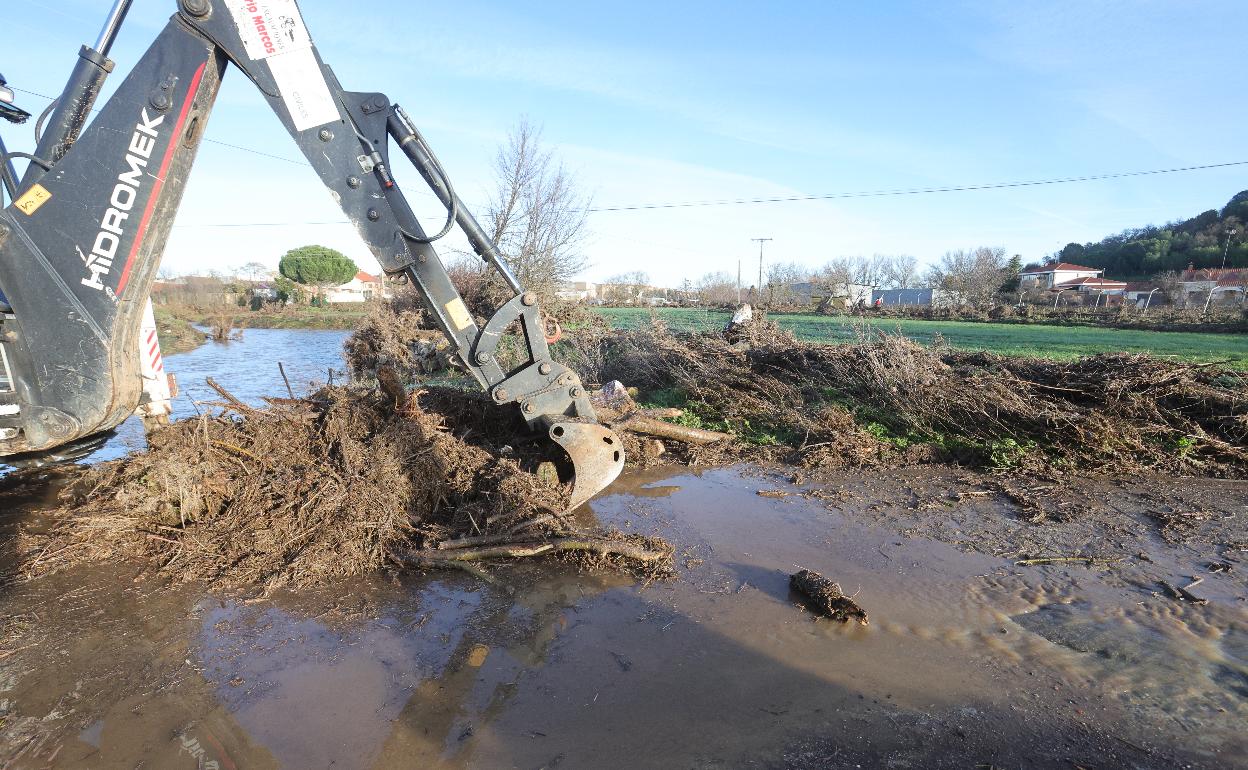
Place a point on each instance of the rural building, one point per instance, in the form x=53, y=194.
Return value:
x=361, y=288
x=1139, y=293
x=577, y=291
x=1218, y=286
x=813, y=294
x=1053, y=274
x=1093, y=286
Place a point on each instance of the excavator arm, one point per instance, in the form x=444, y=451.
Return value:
x=80, y=245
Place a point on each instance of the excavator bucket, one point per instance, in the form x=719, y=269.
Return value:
x=597, y=457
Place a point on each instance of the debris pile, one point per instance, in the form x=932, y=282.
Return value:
x=343, y=482
x=884, y=398
x=398, y=334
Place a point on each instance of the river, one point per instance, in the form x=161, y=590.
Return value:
x=247, y=367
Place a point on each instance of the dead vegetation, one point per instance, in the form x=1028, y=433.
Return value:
x=352, y=480
x=887, y=399
x=344, y=482
x=396, y=333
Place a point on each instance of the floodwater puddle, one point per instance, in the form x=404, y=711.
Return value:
x=968, y=658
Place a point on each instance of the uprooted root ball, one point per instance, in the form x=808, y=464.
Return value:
x=308, y=490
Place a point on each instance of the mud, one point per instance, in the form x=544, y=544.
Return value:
x=970, y=658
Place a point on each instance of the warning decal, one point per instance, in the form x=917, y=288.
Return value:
x=32, y=199
x=459, y=314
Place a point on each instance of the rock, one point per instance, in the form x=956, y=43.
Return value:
x=614, y=396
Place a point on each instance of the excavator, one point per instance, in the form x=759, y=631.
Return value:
x=87, y=222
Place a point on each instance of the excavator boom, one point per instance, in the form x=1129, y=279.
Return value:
x=81, y=243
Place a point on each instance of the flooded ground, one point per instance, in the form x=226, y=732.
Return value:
x=247, y=367
x=970, y=659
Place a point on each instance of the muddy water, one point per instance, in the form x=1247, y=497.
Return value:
x=968, y=659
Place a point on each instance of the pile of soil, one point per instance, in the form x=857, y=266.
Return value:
x=344, y=482
x=884, y=398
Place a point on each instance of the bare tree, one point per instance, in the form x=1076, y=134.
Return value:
x=537, y=215
x=901, y=271
x=718, y=289
x=1171, y=285
x=253, y=271
x=625, y=288
x=780, y=289
x=971, y=276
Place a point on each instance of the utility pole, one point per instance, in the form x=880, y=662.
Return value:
x=738, y=283
x=1230, y=233
x=759, y=287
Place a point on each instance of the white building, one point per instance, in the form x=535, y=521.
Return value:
x=577, y=291
x=1054, y=275
x=361, y=288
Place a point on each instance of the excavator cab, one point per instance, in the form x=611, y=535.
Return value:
x=86, y=226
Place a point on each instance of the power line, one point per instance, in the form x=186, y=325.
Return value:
x=752, y=201
x=205, y=139
x=911, y=190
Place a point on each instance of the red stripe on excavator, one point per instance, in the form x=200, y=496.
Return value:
x=160, y=178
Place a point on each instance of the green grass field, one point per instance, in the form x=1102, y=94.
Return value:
x=1006, y=339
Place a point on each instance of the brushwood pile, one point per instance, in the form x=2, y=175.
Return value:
x=886, y=399
x=391, y=473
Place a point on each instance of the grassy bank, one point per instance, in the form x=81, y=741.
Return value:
x=176, y=333
x=1053, y=342
x=291, y=317
x=302, y=317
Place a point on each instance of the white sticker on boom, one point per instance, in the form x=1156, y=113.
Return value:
x=269, y=27
x=273, y=30
x=303, y=88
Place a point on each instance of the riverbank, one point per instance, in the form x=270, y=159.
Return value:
x=337, y=318
x=1016, y=619
x=177, y=334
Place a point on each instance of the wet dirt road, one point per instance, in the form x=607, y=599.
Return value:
x=969, y=659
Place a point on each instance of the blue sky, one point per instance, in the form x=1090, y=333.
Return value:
x=663, y=102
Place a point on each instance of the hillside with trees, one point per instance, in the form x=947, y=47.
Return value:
x=1200, y=241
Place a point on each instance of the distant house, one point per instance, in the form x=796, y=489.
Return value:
x=1062, y=277
x=1144, y=293
x=264, y=291
x=361, y=288
x=813, y=294
x=1220, y=286
x=1092, y=286
x=577, y=291
x=1053, y=274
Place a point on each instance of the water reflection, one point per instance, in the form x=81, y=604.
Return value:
x=247, y=367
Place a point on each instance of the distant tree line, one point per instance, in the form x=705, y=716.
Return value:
x=1147, y=251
